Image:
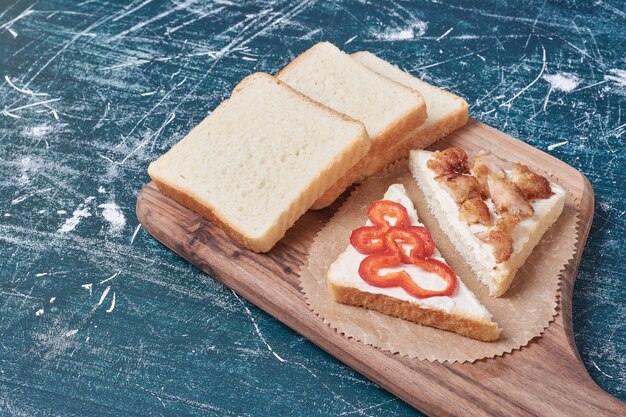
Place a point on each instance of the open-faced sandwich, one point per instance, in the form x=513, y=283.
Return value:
x=392, y=266
x=494, y=216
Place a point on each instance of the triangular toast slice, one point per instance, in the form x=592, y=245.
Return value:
x=461, y=312
x=493, y=213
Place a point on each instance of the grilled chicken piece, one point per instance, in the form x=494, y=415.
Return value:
x=475, y=211
x=448, y=161
x=500, y=236
x=501, y=243
x=532, y=185
x=481, y=168
x=461, y=187
x=508, y=198
x=507, y=222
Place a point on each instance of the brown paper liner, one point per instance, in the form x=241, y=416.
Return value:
x=523, y=313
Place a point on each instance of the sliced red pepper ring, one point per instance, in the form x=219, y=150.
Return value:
x=395, y=234
x=381, y=210
x=371, y=265
x=439, y=268
x=427, y=239
x=369, y=239
x=383, y=242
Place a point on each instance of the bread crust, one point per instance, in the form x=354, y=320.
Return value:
x=409, y=121
x=420, y=138
x=272, y=78
x=463, y=325
x=189, y=201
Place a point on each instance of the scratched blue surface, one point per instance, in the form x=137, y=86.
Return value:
x=97, y=318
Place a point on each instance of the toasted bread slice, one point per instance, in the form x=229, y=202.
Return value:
x=461, y=312
x=388, y=109
x=259, y=160
x=496, y=248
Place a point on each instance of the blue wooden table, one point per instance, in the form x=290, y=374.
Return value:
x=97, y=318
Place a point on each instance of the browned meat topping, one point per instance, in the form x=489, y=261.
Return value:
x=461, y=187
x=481, y=168
x=510, y=194
x=448, y=161
x=501, y=243
x=507, y=222
x=475, y=211
x=532, y=185
x=508, y=198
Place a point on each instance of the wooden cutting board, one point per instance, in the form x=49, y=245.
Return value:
x=545, y=378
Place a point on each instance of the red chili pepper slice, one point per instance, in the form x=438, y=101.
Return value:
x=369, y=267
x=439, y=268
x=369, y=239
x=427, y=239
x=381, y=210
x=395, y=234
x=383, y=242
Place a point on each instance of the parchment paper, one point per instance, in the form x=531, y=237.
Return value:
x=523, y=313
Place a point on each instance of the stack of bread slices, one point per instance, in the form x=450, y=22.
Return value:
x=283, y=144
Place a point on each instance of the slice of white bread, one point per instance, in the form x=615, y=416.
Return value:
x=388, y=109
x=497, y=276
x=461, y=312
x=259, y=160
x=446, y=113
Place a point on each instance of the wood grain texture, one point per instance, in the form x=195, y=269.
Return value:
x=545, y=378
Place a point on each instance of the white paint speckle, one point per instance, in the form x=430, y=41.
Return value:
x=132, y=239
x=52, y=299
x=104, y=295
x=88, y=287
x=37, y=131
x=556, y=145
x=29, y=195
x=26, y=165
x=446, y=33
x=414, y=30
x=109, y=278
x=562, y=81
x=618, y=78
x=617, y=75
x=101, y=189
x=39, y=312
x=114, y=216
x=81, y=212
x=110, y=309
x=71, y=333
x=61, y=212
x=41, y=274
